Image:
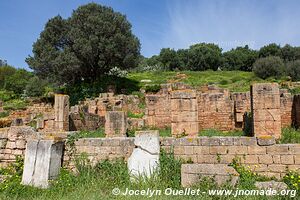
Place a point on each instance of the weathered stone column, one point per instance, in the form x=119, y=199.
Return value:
x=61, y=109
x=144, y=159
x=115, y=124
x=265, y=107
x=42, y=162
x=184, y=113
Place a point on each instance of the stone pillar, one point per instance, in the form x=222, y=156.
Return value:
x=61, y=109
x=265, y=107
x=42, y=162
x=184, y=113
x=115, y=124
x=144, y=159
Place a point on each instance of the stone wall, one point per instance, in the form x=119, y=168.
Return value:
x=184, y=113
x=270, y=161
x=286, y=106
x=13, y=143
x=265, y=108
x=158, y=110
x=215, y=111
x=217, y=108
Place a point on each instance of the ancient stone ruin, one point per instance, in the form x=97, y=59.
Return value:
x=263, y=111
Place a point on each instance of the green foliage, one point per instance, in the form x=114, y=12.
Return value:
x=241, y=58
x=270, y=50
x=289, y=53
x=290, y=135
x=205, y=56
x=165, y=132
x=247, y=176
x=15, y=104
x=269, y=67
x=6, y=95
x=135, y=115
x=18, y=81
x=81, y=91
x=36, y=87
x=5, y=72
x=152, y=88
x=293, y=70
x=168, y=57
x=292, y=179
x=4, y=114
x=236, y=81
x=99, y=133
x=84, y=46
x=214, y=132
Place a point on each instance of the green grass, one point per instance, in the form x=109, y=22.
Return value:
x=163, y=132
x=90, y=134
x=4, y=114
x=214, y=132
x=289, y=135
x=135, y=115
x=236, y=81
x=15, y=104
x=97, y=182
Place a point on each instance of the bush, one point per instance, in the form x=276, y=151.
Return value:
x=152, y=88
x=271, y=66
x=290, y=135
x=6, y=95
x=293, y=70
x=35, y=87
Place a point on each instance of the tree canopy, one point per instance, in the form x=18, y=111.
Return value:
x=84, y=46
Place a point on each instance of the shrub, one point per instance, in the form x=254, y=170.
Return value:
x=293, y=70
x=271, y=66
x=290, y=135
x=6, y=95
x=292, y=179
x=152, y=88
x=35, y=87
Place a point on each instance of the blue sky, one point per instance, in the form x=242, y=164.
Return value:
x=161, y=23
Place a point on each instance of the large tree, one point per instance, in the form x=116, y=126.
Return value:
x=205, y=56
x=85, y=46
x=241, y=58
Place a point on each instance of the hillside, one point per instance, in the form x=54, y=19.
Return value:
x=236, y=81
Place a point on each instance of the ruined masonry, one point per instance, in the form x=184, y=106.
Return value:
x=42, y=162
x=265, y=101
x=184, y=113
x=61, y=108
x=115, y=124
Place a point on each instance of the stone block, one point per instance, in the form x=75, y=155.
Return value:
x=278, y=186
x=42, y=162
x=265, y=100
x=287, y=159
x=221, y=173
x=265, y=140
x=265, y=159
x=61, y=110
x=144, y=159
x=278, y=149
x=256, y=150
x=115, y=124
